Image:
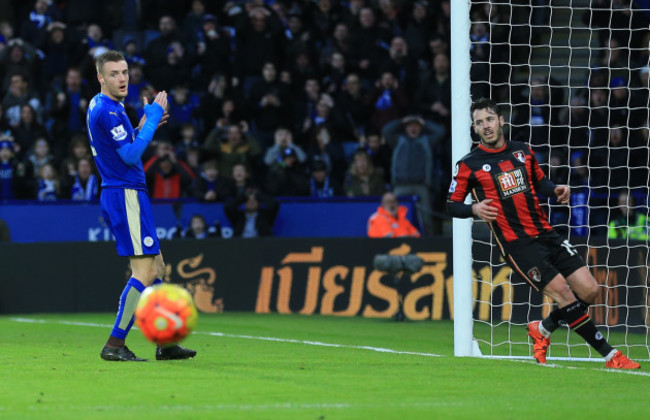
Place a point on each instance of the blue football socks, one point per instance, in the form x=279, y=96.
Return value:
x=128, y=302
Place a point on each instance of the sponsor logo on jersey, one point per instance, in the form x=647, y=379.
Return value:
x=452, y=187
x=487, y=167
x=148, y=241
x=535, y=274
x=521, y=157
x=119, y=133
x=512, y=182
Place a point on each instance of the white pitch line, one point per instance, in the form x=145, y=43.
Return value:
x=323, y=344
x=246, y=337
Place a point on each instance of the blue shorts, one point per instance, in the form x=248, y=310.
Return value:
x=128, y=215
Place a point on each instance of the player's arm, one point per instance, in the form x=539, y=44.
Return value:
x=460, y=187
x=546, y=187
x=132, y=152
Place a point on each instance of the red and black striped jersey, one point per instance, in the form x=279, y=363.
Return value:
x=511, y=177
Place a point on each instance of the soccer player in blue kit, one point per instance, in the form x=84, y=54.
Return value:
x=117, y=149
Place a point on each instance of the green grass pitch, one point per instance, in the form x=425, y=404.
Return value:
x=295, y=367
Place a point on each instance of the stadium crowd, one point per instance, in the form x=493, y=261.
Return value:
x=267, y=98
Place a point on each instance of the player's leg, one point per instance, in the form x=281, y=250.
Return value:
x=129, y=217
x=174, y=351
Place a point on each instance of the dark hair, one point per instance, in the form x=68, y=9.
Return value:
x=108, y=56
x=485, y=103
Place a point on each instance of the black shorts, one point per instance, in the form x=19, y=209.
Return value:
x=538, y=260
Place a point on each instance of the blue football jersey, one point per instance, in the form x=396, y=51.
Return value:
x=109, y=129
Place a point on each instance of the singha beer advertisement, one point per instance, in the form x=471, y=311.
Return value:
x=314, y=276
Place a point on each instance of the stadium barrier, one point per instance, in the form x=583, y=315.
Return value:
x=297, y=217
x=327, y=276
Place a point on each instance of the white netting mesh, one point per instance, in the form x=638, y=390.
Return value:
x=572, y=77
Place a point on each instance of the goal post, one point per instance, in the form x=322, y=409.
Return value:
x=569, y=76
x=460, y=127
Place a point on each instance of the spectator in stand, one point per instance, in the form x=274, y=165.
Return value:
x=434, y=94
x=320, y=185
x=391, y=17
x=158, y=50
x=627, y=222
x=95, y=38
x=363, y=179
x=335, y=74
x=213, y=100
x=238, y=147
x=619, y=102
x=352, y=103
x=368, y=44
x=209, y=186
x=28, y=129
x=187, y=141
x=176, y=67
x=388, y=101
x=305, y=107
x=283, y=140
x=252, y=215
x=332, y=153
x=287, y=178
x=299, y=37
x=84, y=185
x=213, y=49
x=389, y=221
x=16, y=177
x=193, y=23
x=20, y=57
x=68, y=106
x=611, y=164
x=167, y=176
x=327, y=115
x=325, y=16
x=301, y=68
x=574, y=119
x=199, y=229
x=18, y=95
x=259, y=41
x=402, y=65
x=60, y=50
x=40, y=154
x=419, y=29
x=639, y=99
x=240, y=182
x=380, y=153
x=338, y=42
x=268, y=102
x=49, y=188
x=182, y=108
x=413, y=142
x=132, y=53
x=34, y=29
x=78, y=149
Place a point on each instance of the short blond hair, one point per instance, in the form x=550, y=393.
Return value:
x=108, y=56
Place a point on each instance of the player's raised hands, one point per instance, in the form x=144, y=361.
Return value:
x=485, y=211
x=563, y=193
x=161, y=99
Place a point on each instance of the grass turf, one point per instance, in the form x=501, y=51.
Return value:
x=53, y=370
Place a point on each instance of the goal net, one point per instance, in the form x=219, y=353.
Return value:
x=572, y=79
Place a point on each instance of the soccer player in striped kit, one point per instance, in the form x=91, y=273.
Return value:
x=504, y=179
x=117, y=149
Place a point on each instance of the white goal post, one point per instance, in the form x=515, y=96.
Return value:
x=569, y=44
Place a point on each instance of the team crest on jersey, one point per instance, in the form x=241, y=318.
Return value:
x=452, y=187
x=119, y=133
x=456, y=169
x=512, y=182
x=521, y=157
x=535, y=274
x=487, y=167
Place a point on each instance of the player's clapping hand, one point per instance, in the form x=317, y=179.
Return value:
x=563, y=193
x=485, y=211
x=161, y=99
